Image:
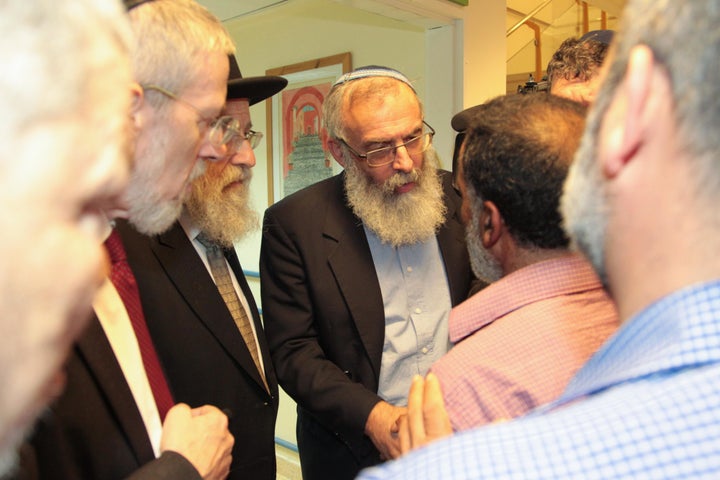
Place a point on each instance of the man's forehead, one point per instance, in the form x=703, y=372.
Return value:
x=237, y=106
x=209, y=82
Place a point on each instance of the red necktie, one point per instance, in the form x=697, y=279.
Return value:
x=124, y=281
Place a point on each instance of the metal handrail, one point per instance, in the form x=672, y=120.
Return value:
x=528, y=17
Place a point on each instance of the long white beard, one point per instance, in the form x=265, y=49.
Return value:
x=398, y=219
x=225, y=217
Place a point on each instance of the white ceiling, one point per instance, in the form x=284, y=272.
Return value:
x=228, y=9
x=425, y=13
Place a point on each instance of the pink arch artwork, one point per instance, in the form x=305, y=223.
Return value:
x=301, y=115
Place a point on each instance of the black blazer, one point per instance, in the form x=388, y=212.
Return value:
x=325, y=321
x=201, y=349
x=94, y=430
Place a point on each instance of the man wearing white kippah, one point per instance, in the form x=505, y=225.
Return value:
x=359, y=273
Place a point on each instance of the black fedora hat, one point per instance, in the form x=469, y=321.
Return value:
x=255, y=89
x=130, y=4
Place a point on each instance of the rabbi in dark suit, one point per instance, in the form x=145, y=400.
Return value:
x=194, y=317
x=359, y=273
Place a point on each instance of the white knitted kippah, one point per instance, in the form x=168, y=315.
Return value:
x=372, y=71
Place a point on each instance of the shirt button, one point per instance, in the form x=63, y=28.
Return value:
x=409, y=269
x=418, y=310
x=424, y=350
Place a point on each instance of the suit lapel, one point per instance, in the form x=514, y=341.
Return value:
x=94, y=349
x=350, y=259
x=187, y=272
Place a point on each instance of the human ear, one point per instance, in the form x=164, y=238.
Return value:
x=491, y=224
x=137, y=100
x=336, y=151
x=627, y=119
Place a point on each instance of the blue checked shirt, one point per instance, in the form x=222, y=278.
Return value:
x=646, y=406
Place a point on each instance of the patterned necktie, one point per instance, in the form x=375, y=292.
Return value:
x=124, y=281
x=221, y=274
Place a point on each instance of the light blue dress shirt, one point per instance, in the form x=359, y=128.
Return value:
x=647, y=406
x=417, y=304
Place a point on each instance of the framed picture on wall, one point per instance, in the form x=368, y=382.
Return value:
x=296, y=157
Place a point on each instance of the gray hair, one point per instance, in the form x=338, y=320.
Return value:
x=685, y=39
x=56, y=56
x=173, y=37
x=344, y=95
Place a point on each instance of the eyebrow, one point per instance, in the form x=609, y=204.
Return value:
x=414, y=133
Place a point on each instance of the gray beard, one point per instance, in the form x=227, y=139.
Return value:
x=404, y=219
x=583, y=204
x=149, y=213
x=224, y=217
x=484, y=265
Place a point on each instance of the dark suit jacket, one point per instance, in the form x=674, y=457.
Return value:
x=201, y=349
x=94, y=430
x=325, y=322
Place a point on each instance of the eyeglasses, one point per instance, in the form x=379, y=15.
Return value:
x=237, y=140
x=221, y=130
x=386, y=155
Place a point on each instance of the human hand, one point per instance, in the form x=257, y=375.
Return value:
x=427, y=420
x=382, y=427
x=200, y=435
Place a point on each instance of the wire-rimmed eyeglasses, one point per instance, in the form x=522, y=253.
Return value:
x=222, y=130
x=235, y=143
x=383, y=156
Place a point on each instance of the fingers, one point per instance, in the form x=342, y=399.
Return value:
x=204, y=410
x=394, y=449
x=416, y=420
x=176, y=412
x=435, y=416
x=201, y=436
x=404, y=434
x=427, y=419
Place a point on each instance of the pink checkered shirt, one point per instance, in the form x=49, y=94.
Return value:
x=519, y=341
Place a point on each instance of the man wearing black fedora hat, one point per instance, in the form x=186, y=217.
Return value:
x=210, y=340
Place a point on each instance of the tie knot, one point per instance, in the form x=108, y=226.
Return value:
x=206, y=242
x=115, y=248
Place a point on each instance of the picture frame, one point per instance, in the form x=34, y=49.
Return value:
x=296, y=157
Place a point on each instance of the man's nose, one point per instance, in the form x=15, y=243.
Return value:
x=403, y=162
x=244, y=155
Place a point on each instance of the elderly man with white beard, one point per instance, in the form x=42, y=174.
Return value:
x=359, y=273
x=641, y=202
x=211, y=353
